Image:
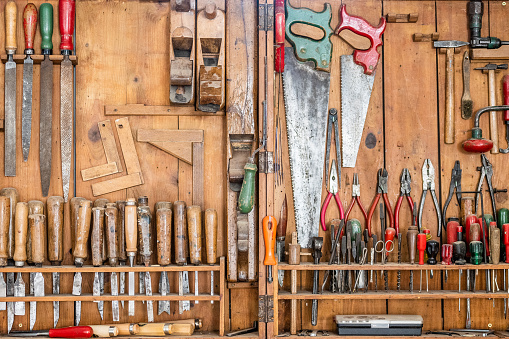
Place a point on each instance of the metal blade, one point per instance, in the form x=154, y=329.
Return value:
x=38, y=292
x=33, y=304
x=141, y=284
x=181, y=292
x=356, y=88
x=10, y=118
x=122, y=286
x=96, y=289
x=56, y=304
x=76, y=290
x=131, y=294
x=19, y=291
x=150, y=303
x=45, y=124
x=100, y=305
x=212, y=285
x=114, y=303
x=306, y=93
x=26, y=107
x=186, y=304
x=66, y=122
x=196, y=284
x=3, y=292
x=163, y=283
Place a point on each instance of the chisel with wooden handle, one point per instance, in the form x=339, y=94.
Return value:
x=55, y=206
x=127, y=329
x=211, y=242
x=104, y=331
x=121, y=245
x=80, y=251
x=145, y=234
x=4, y=233
x=164, y=329
x=34, y=207
x=195, y=243
x=130, y=242
x=66, y=332
x=163, y=230
x=100, y=281
x=181, y=250
x=96, y=244
x=37, y=225
x=111, y=227
x=20, y=253
x=11, y=12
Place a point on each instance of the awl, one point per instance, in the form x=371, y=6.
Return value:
x=66, y=332
x=11, y=12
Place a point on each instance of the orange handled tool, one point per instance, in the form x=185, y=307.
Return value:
x=269, y=236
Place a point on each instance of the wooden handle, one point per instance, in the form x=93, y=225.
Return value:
x=55, y=206
x=4, y=229
x=34, y=207
x=211, y=235
x=164, y=329
x=82, y=231
x=475, y=232
x=20, y=231
x=66, y=20
x=163, y=230
x=144, y=230
x=11, y=14
x=127, y=328
x=13, y=196
x=163, y=204
x=121, y=230
x=74, y=206
x=101, y=202
x=194, y=233
x=493, y=114
x=105, y=331
x=180, y=224
x=96, y=238
x=111, y=226
x=131, y=228
x=466, y=208
x=495, y=245
x=449, y=97
x=37, y=224
x=29, y=27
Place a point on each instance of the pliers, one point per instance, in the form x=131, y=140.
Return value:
x=486, y=171
x=381, y=190
x=455, y=185
x=428, y=184
x=356, y=194
x=332, y=191
x=405, y=182
x=332, y=123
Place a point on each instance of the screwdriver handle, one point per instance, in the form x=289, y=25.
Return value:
x=105, y=331
x=97, y=236
x=180, y=223
x=495, y=245
x=29, y=27
x=505, y=230
x=211, y=235
x=55, y=206
x=82, y=231
x=46, y=27
x=66, y=9
x=506, y=97
x=421, y=247
x=4, y=229
x=411, y=237
x=127, y=329
x=37, y=224
x=20, y=231
x=269, y=224
x=111, y=228
x=163, y=229
x=131, y=229
x=194, y=233
x=246, y=195
x=71, y=332
x=11, y=14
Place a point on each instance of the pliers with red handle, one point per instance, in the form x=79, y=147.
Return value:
x=332, y=191
x=356, y=194
x=381, y=190
x=405, y=182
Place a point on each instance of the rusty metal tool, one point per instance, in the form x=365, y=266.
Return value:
x=96, y=244
x=269, y=224
x=145, y=252
x=211, y=242
x=475, y=10
x=37, y=225
x=66, y=21
x=55, y=210
x=317, y=244
x=428, y=184
x=20, y=254
x=11, y=12
x=449, y=47
x=506, y=113
x=163, y=233
x=280, y=239
x=34, y=207
x=194, y=226
x=112, y=251
x=466, y=98
x=130, y=242
x=181, y=251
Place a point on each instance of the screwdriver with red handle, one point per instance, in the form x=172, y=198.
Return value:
x=66, y=332
x=269, y=224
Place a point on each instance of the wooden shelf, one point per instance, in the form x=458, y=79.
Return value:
x=389, y=267
x=197, y=334
x=333, y=335
x=431, y=295
x=92, y=269
x=109, y=297
x=38, y=58
x=147, y=110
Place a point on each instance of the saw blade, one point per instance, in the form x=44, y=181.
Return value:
x=10, y=118
x=306, y=93
x=45, y=124
x=356, y=88
x=66, y=122
x=26, y=106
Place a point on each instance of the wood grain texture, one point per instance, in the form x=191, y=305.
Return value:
x=109, y=144
x=99, y=171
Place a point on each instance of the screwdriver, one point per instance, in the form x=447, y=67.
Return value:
x=96, y=243
x=20, y=253
x=211, y=242
x=195, y=245
x=130, y=242
x=145, y=234
x=66, y=332
x=55, y=206
x=269, y=236
x=163, y=228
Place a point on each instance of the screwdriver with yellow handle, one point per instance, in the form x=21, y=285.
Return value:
x=269, y=224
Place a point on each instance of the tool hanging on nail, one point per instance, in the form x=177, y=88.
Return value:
x=466, y=98
x=476, y=144
x=381, y=190
x=428, y=184
x=486, y=172
x=405, y=182
x=475, y=12
x=269, y=224
x=332, y=191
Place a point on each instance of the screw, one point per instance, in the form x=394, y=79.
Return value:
x=303, y=50
x=503, y=3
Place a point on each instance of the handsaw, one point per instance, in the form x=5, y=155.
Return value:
x=357, y=78
x=306, y=92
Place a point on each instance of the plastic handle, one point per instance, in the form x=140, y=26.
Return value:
x=29, y=25
x=246, y=196
x=71, y=332
x=502, y=217
x=46, y=26
x=368, y=58
x=269, y=236
x=390, y=233
x=505, y=230
x=131, y=228
x=279, y=21
x=11, y=13
x=66, y=9
x=452, y=235
x=421, y=247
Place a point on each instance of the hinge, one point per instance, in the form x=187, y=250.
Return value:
x=266, y=308
x=266, y=162
x=265, y=17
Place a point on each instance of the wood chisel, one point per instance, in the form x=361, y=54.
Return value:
x=211, y=243
x=66, y=20
x=20, y=254
x=29, y=27
x=127, y=329
x=104, y=257
x=34, y=207
x=181, y=250
x=195, y=243
x=280, y=239
x=112, y=249
x=163, y=233
x=130, y=242
x=4, y=230
x=11, y=12
x=55, y=206
x=37, y=225
x=164, y=329
x=145, y=234
x=66, y=332
x=96, y=244
x=121, y=245
x=46, y=99
x=80, y=251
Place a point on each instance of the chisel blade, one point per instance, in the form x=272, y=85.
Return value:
x=3, y=292
x=114, y=303
x=56, y=304
x=45, y=124
x=212, y=285
x=19, y=292
x=163, y=285
x=26, y=106
x=186, y=304
x=76, y=290
x=10, y=118
x=141, y=284
x=148, y=292
x=66, y=122
x=196, y=285
x=38, y=292
x=10, y=305
x=100, y=305
x=96, y=289
x=130, y=304
x=122, y=286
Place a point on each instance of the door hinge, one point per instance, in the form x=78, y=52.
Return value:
x=265, y=17
x=266, y=308
x=266, y=162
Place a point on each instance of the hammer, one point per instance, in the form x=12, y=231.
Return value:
x=491, y=69
x=316, y=244
x=449, y=46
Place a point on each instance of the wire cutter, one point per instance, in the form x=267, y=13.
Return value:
x=381, y=190
x=486, y=171
x=405, y=182
x=428, y=184
x=333, y=122
x=455, y=185
x=356, y=197
x=332, y=191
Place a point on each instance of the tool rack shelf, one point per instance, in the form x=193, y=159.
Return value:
x=390, y=266
x=392, y=294
x=38, y=58
x=93, y=269
x=434, y=336
x=201, y=335
x=137, y=297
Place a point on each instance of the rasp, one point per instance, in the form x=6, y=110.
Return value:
x=11, y=13
x=46, y=100
x=66, y=16
x=29, y=27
